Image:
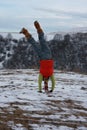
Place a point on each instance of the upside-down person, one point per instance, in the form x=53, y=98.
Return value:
x=45, y=56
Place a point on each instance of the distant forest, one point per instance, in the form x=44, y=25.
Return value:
x=69, y=52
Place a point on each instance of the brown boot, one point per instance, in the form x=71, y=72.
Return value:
x=38, y=27
x=25, y=32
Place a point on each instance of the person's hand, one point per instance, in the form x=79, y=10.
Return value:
x=51, y=91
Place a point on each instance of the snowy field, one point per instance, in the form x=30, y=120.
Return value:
x=23, y=108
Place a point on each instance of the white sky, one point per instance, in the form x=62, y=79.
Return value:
x=54, y=15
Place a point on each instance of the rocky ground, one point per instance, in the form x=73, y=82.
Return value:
x=23, y=108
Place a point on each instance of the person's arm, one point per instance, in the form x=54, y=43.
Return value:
x=53, y=82
x=40, y=79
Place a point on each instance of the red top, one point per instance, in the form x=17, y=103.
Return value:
x=46, y=67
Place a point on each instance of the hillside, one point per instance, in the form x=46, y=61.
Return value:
x=23, y=108
x=69, y=52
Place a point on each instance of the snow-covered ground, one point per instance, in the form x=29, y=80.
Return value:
x=17, y=35
x=23, y=108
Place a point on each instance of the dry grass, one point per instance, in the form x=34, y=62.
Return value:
x=16, y=115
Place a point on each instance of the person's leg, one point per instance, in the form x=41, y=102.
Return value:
x=31, y=40
x=35, y=45
x=46, y=52
x=40, y=32
x=53, y=82
x=40, y=79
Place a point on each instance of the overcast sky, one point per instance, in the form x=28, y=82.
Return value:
x=54, y=15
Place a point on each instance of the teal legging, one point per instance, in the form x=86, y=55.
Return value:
x=40, y=79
